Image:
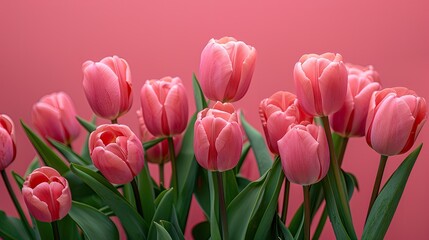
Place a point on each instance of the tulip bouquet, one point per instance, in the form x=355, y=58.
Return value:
x=75, y=195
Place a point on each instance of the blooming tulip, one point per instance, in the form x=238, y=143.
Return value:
x=226, y=69
x=321, y=83
x=350, y=120
x=395, y=118
x=117, y=152
x=159, y=153
x=107, y=86
x=277, y=113
x=217, y=138
x=47, y=194
x=164, y=106
x=7, y=141
x=54, y=116
x=304, y=154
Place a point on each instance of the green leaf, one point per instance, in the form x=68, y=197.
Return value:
x=85, y=148
x=48, y=156
x=172, y=231
x=230, y=186
x=244, y=152
x=147, y=145
x=12, y=228
x=33, y=165
x=69, y=154
x=161, y=233
x=242, y=183
x=257, y=143
x=147, y=194
x=94, y=224
x=388, y=199
x=282, y=231
x=18, y=179
x=163, y=211
x=68, y=229
x=45, y=230
x=201, y=231
x=214, y=206
x=89, y=126
x=200, y=100
x=133, y=223
x=202, y=191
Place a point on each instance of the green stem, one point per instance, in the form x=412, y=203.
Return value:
x=376, y=188
x=115, y=121
x=285, y=200
x=342, y=149
x=69, y=145
x=137, y=196
x=16, y=203
x=161, y=175
x=174, y=181
x=55, y=230
x=306, y=212
x=321, y=224
x=222, y=207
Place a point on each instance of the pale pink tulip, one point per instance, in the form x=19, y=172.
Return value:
x=321, y=83
x=395, y=118
x=54, y=116
x=277, y=113
x=304, y=154
x=226, y=69
x=164, y=106
x=350, y=120
x=7, y=141
x=117, y=152
x=158, y=154
x=217, y=138
x=107, y=86
x=47, y=195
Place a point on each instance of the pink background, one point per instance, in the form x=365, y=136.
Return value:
x=44, y=43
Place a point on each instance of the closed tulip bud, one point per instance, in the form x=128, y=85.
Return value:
x=47, y=195
x=217, y=138
x=277, y=113
x=304, y=154
x=117, y=152
x=54, y=116
x=321, y=83
x=158, y=154
x=164, y=106
x=226, y=69
x=107, y=86
x=395, y=118
x=7, y=141
x=350, y=120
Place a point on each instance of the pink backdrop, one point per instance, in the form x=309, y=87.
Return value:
x=43, y=44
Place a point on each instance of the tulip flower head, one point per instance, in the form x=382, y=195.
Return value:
x=350, y=120
x=395, y=118
x=277, y=113
x=107, y=86
x=321, y=83
x=226, y=69
x=217, y=138
x=47, y=195
x=117, y=152
x=304, y=154
x=164, y=106
x=54, y=116
x=7, y=141
x=159, y=153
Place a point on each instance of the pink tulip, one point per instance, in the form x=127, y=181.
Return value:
x=226, y=69
x=54, y=116
x=304, y=153
x=7, y=141
x=159, y=153
x=107, y=86
x=117, y=152
x=350, y=120
x=321, y=83
x=164, y=106
x=395, y=118
x=217, y=138
x=47, y=194
x=277, y=113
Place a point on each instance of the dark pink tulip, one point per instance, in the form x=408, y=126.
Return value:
x=304, y=153
x=321, y=83
x=47, y=195
x=107, y=86
x=117, y=152
x=7, y=141
x=226, y=69
x=217, y=138
x=350, y=120
x=395, y=118
x=54, y=116
x=277, y=113
x=160, y=152
x=164, y=106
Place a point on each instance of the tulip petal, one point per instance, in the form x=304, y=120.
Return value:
x=228, y=146
x=176, y=109
x=6, y=149
x=111, y=166
x=202, y=147
x=36, y=207
x=333, y=87
x=152, y=109
x=68, y=116
x=135, y=155
x=304, y=90
x=47, y=120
